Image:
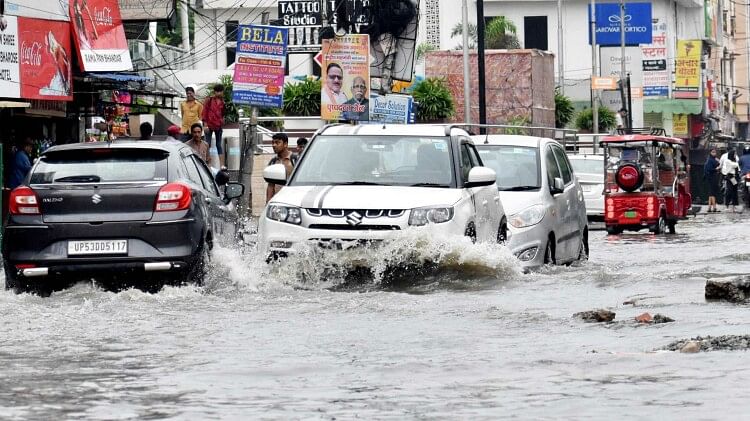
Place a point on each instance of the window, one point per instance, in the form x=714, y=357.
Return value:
x=205, y=175
x=468, y=161
x=232, y=54
x=101, y=165
x=535, y=32
x=192, y=171
x=517, y=167
x=553, y=171
x=230, y=27
x=562, y=160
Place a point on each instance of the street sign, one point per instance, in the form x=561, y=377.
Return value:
x=259, y=67
x=319, y=58
x=638, y=25
x=603, y=83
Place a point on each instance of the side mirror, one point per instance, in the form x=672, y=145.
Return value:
x=557, y=186
x=275, y=174
x=480, y=177
x=234, y=190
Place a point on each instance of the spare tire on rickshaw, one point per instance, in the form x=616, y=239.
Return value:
x=629, y=177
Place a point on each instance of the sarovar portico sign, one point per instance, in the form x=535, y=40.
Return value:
x=638, y=25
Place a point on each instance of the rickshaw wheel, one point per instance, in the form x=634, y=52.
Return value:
x=660, y=227
x=614, y=230
x=670, y=226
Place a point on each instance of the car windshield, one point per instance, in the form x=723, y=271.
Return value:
x=376, y=160
x=106, y=165
x=517, y=167
x=588, y=166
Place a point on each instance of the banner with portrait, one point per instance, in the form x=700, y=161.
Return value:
x=346, y=78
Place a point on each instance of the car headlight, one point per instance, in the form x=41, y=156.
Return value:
x=288, y=214
x=424, y=216
x=528, y=217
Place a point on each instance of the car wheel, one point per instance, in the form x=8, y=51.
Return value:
x=502, y=232
x=199, y=269
x=549, y=253
x=614, y=230
x=583, y=249
x=11, y=281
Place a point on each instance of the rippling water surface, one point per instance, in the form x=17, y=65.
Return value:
x=467, y=337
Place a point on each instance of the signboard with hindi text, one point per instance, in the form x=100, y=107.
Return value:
x=259, y=66
x=346, y=76
x=687, y=81
x=656, y=77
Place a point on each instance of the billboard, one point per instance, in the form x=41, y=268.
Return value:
x=391, y=108
x=687, y=81
x=304, y=18
x=656, y=77
x=146, y=10
x=99, y=35
x=346, y=78
x=41, y=9
x=35, y=59
x=637, y=23
x=259, y=66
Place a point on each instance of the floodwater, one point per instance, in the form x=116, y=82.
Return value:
x=470, y=338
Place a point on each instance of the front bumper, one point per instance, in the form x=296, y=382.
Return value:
x=528, y=244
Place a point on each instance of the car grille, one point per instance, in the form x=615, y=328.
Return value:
x=337, y=244
x=367, y=213
x=355, y=227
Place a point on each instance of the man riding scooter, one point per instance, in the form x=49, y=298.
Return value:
x=745, y=174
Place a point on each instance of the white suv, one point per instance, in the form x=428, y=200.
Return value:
x=365, y=183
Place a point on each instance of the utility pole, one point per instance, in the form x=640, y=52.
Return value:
x=560, y=59
x=185, y=25
x=594, y=71
x=467, y=73
x=624, y=80
x=250, y=135
x=480, y=66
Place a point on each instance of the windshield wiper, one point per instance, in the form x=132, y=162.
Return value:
x=427, y=185
x=358, y=183
x=79, y=179
x=520, y=188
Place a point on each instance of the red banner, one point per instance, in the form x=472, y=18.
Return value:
x=100, y=36
x=44, y=59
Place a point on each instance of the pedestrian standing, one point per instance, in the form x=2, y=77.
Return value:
x=730, y=170
x=191, y=110
x=173, y=133
x=744, y=171
x=280, y=144
x=196, y=142
x=21, y=164
x=213, y=118
x=301, y=144
x=146, y=130
x=711, y=175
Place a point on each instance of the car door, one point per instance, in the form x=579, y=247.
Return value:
x=223, y=223
x=485, y=220
x=556, y=204
x=573, y=199
x=203, y=201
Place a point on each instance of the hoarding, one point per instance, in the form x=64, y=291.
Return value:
x=45, y=60
x=346, y=74
x=99, y=35
x=304, y=18
x=259, y=66
x=391, y=109
x=637, y=23
x=10, y=73
x=656, y=77
x=687, y=81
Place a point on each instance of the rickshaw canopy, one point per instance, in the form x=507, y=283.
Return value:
x=627, y=138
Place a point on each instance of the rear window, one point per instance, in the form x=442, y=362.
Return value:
x=588, y=166
x=101, y=166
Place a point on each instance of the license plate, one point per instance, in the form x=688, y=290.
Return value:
x=94, y=247
x=630, y=214
x=747, y=183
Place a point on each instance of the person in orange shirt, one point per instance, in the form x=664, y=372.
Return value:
x=192, y=110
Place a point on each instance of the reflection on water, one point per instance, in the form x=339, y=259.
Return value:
x=423, y=328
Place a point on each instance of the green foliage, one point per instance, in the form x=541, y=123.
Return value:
x=142, y=107
x=434, y=98
x=519, y=120
x=165, y=34
x=585, y=120
x=499, y=34
x=563, y=110
x=303, y=98
x=422, y=50
x=458, y=31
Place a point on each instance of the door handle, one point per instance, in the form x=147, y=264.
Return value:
x=208, y=200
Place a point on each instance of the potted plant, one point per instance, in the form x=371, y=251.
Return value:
x=302, y=99
x=435, y=101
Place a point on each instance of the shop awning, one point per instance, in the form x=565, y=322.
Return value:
x=118, y=77
x=673, y=106
x=14, y=104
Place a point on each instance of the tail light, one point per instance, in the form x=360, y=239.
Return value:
x=173, y=197
x=23, y=201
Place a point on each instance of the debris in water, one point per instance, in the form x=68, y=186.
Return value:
x=596, y=316
x=644, y=318
x=660, y=318
x=711, y=343
x=734, y=291
x=691, y=347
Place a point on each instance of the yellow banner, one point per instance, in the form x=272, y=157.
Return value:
x=680, y=125
x=688, y=69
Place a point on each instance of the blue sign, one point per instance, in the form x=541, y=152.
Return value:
x=391, y=109
x=637, y=23
x=655, y=91
x=259, y=66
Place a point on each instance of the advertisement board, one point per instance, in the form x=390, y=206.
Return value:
x=259, y=66
x=10, y=79
x=680, y=125
x=99, y=35
x=687, y=81
x=346, y=77
x=656, y=77
x=637, y=23
x=391, y=109
x=304, y=19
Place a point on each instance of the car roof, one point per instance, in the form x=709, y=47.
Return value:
x=511, y=140
x=436, y=130
x=168, y=146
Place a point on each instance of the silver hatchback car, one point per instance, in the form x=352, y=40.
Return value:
x=542, y=197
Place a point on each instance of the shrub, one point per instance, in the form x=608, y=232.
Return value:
x=435, y=100
x=303, y=98
x=607, y=121
x=563, y=110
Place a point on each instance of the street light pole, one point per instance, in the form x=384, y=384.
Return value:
x=480, y=66
x=560, y=59
x=594, y=71
x=467, y=73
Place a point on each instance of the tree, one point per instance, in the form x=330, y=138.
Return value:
x=499, y=34
x=563, y=109
x=422, y=50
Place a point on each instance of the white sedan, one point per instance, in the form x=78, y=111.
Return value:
x=589, y=168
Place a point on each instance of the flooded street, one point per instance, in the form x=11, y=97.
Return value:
x=472, y=339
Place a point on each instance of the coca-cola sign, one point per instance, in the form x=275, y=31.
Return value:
x=99, y=35
x=45, y=59
x=31, y=54
x=103, y=16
